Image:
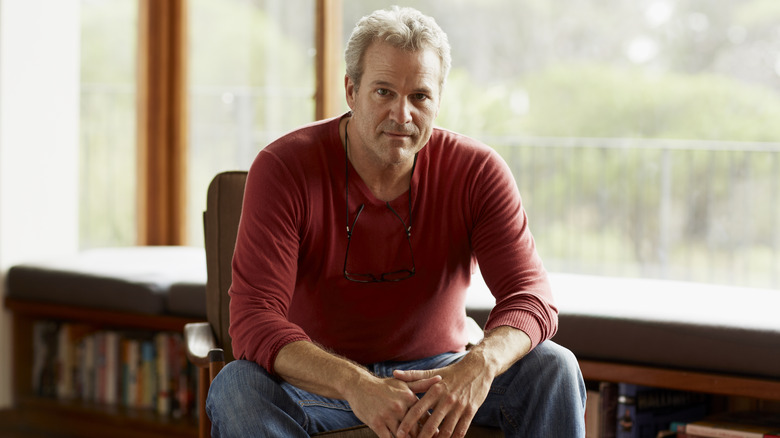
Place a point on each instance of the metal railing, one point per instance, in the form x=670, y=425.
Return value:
x=701, y=211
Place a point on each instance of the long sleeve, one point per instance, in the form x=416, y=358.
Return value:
x=265, y=264
x=507, y=256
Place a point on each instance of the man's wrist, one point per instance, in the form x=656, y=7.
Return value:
x=501, y=347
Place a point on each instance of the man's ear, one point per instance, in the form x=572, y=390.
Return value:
x=350, y=89
x=438, y=107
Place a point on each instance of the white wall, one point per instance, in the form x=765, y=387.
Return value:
x=39, y=115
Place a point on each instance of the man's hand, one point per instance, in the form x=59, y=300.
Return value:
x=380, y=403
x=463, y=387
x=454, y=401
x=383, y=403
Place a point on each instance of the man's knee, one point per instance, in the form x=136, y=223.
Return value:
x=558, y=372
x=229, y=387
x=547, y=366
x=558, y=357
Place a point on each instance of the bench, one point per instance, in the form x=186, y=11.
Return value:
x=688, y=336
x=150, y=289
x=154, y=280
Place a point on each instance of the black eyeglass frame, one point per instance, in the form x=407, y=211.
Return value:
x=399, y=275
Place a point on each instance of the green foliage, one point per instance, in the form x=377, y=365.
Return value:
x=241, y=44
x=549, y=85
x=107, y=155
x=109, y=41
x=603, y=101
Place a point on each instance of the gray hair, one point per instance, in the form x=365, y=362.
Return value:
x=403, y=28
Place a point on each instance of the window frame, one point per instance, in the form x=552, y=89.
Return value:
x=162, y=110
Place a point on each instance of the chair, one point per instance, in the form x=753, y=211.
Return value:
x=208, y=343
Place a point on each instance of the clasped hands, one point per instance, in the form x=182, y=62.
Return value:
x=452, y=396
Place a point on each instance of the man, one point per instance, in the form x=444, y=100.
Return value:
x=357, y=242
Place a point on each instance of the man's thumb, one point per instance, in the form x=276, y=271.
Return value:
x=417, y=380
x=412, y=375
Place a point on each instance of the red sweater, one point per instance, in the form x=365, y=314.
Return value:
x=288, y=281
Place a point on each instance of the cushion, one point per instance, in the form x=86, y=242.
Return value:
x=132, y=279
x=188, y=299
x=671, y=324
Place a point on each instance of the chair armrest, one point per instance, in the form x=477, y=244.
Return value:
x=199, y=340
x=474, y=332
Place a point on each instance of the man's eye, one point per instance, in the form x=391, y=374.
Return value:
x=382, y=91
x=420, y=96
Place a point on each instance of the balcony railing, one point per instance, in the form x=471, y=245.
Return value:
x=701, y=211
x=684, y=210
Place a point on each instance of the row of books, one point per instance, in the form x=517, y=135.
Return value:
x=632, y=411
x=134, y=369
x=621, y=410
x=731, y=425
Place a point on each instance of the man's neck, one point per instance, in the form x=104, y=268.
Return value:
x=386, y=181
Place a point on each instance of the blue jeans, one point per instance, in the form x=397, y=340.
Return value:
x=540, y=396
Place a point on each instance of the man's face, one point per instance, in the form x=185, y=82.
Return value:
x=396, y=104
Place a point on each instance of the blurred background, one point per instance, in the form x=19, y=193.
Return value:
x=643, y=135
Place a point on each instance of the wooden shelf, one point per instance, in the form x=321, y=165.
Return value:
x=710, y=383
x=94, y=420
x=51, y=417
x=97, y=317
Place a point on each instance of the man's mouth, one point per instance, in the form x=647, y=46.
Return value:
x=398, y=134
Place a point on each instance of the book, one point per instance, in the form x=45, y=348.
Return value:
x=608, y=395
x=592, y=414
x=130, y=365
x=644, y=411
x=69, y=377
x=113, y=374
x=86, y=352
x=45, y=356
x=162, y=343
x=147, y=377
x=745, y=424
x=134, y=369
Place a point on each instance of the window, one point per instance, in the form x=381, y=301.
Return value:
x=642, y=135
x=251, y=79
x=108, y=123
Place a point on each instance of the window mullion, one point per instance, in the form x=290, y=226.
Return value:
x=161, y=122
x=328, y=65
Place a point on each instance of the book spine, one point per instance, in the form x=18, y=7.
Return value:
x=608, y=393
x=162, y=341
x=133, y=360
x=714, y=432
x=74, y=361
x=592, y=414
x=626, y=412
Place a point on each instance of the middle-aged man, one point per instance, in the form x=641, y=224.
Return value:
x=357, y=242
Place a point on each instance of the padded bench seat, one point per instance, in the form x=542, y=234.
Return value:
x=151, y=280
x=677, y=325
x=668, y=324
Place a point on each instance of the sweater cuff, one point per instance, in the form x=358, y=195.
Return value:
x=524, y=321
x=277, y=347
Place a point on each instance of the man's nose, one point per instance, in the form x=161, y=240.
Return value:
x=401, y=111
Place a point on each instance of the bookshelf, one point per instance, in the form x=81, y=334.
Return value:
x=725, y=394
x=77, y=417
x=685, y=380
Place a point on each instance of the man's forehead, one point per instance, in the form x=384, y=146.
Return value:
x=386, y=65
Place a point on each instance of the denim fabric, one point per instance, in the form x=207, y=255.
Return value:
x=542, y=395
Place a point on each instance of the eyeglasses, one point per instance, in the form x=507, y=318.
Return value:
x=401, y=274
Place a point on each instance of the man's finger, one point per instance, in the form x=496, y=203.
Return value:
x=420, y=386
x=413, y=422
x=412, y=375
